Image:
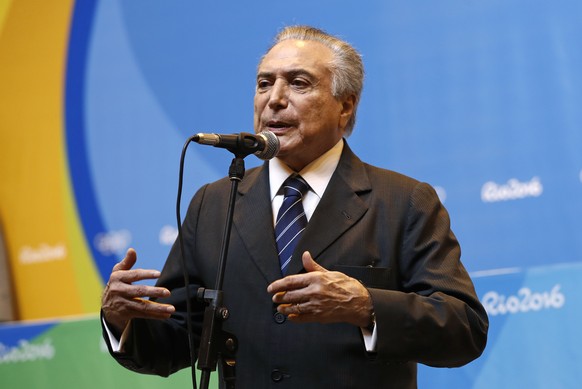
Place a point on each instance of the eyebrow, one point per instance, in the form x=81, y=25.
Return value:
x=288, y=73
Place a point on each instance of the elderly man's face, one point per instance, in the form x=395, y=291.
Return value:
x=293, y=100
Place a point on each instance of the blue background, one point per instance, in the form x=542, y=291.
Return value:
x=458, y=94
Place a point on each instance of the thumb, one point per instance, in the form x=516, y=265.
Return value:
x=127, y=262
x=309, y=264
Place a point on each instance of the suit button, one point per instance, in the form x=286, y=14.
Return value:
x=279, y=318
x=277, y=375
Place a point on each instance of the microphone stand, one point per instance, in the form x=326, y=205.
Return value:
x=216, y=343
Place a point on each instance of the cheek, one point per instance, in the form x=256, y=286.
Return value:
x=257, y=112
x=317, y=108
x=316, y=117
x=259, y=102
x=309, y=112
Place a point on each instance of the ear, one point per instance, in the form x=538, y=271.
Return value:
x=347, y=109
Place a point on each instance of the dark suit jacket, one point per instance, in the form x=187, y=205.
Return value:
x=386, y=230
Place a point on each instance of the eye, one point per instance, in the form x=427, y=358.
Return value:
x=263, y=84
x=300, y=83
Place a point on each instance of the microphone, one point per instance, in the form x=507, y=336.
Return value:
x=264, y=145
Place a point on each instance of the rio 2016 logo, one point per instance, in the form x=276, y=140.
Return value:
x=524, y=301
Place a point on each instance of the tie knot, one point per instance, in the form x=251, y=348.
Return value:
x=295, y=186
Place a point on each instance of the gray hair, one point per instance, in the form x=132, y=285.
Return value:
x=347, y=68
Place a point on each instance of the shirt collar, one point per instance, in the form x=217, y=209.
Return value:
x=317, y=174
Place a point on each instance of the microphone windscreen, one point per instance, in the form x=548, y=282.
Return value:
x=271, y=148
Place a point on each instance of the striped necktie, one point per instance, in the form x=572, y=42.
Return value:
x=291, y=219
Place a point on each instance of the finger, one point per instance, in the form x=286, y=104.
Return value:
x=297, y=312
x=305, y=318
x=279, y=297
x=291, y=296
x=309, y=264
x=296, y=281
x=138, y=291
x=129, y=276
x=127, y=262
x=289, y=309
x=284, y=298
x=119, y=311
x=142, y=308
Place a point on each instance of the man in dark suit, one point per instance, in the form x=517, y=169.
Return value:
x=375, y=284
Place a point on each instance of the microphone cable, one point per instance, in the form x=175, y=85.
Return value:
x=184, y=267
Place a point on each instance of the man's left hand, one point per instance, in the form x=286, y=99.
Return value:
x=322, y=296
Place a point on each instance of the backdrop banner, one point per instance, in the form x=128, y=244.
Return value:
x=70, y=354
x=479, y=99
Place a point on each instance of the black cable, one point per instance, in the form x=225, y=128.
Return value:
x=184, y=268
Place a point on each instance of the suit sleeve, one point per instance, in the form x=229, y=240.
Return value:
x=161, y=347
x=435, y=318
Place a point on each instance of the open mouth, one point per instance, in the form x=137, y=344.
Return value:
x=275, y=125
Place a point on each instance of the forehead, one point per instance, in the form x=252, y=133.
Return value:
x=291, y=55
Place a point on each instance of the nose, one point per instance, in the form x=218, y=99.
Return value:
x=278, y=98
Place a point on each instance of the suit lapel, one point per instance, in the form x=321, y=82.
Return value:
x=340, y=208
x=253, y=220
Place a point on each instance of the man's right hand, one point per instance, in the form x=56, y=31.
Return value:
x=123, y=301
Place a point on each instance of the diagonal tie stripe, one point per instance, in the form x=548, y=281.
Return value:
x=291, y=219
